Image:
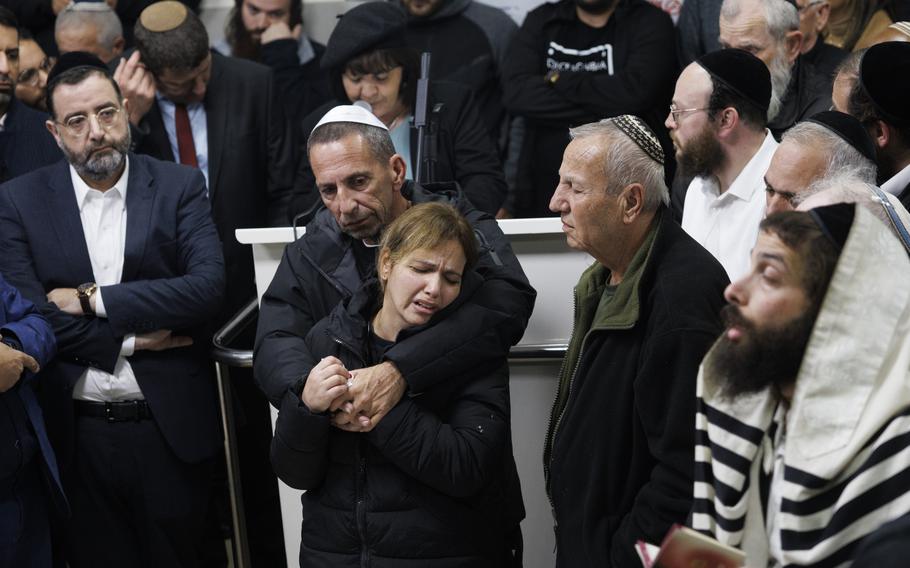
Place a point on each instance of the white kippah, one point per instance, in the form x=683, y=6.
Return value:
x=350, y=113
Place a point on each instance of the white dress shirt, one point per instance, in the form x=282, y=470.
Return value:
x=198, y=125
x=103, y=216
x=727, y=223
x=898, y=182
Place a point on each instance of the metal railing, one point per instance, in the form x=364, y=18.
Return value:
x=227, y=357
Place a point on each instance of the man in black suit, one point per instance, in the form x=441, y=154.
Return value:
x=120, y=254
x=25, y=144
x=236, y=133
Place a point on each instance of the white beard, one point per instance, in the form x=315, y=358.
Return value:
x=781, y=71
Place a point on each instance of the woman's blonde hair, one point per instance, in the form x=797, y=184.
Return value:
x=427, y=226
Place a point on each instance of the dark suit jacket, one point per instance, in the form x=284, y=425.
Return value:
x=25, y=143
x=250, y=161
x=173, y=278
x=23, y=437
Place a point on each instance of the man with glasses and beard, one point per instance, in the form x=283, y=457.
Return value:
x=717, y=124
x=769, y=29
x=25, y=145
x=578, y=61
x=120, y=254
x=803, y=421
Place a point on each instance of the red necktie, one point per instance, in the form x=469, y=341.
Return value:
x=185, y=145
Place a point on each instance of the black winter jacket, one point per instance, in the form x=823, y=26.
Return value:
x=433, y=482
x=464, y=151
x=319, y=270
x=620, y=442
x=626, y=67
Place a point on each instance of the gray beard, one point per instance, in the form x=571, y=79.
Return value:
x=781, y=73
x=98, y=168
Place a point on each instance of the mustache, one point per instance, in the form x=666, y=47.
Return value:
x=732, y=317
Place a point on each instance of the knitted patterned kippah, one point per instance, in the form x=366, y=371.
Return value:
x=636, y=129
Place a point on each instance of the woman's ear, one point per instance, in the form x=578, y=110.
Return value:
x=384, y=266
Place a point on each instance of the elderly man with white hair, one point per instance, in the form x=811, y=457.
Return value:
x=769, y=29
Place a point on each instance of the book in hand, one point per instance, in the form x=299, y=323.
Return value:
x=686, y=548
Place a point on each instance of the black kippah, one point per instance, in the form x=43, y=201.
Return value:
x=884, y=74
x=835, y=221
x=742, y=72
x=75, y=59
x=367, y=27
x=848, y=128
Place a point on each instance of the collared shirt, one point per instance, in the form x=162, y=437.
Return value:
x=727, y=223
x=3, y=121
x=103, y=216
x=897, y=183
x=198, y=125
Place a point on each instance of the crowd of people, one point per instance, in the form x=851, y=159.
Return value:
x=739, y=361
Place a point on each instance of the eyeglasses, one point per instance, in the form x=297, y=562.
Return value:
x=676, y=112
x=78, y=125
x=30, y=76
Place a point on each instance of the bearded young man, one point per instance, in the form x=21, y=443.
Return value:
x=717, y=124
x=803, y=422
x=117, y=250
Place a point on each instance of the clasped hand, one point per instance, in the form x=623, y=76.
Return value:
x=358, y=398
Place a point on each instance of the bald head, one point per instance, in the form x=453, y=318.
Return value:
x=92, y=27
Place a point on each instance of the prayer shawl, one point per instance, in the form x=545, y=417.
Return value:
x=847, y=451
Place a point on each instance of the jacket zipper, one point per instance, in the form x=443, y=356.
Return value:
x=552, y=440
x=359, y=494
x=360, y=507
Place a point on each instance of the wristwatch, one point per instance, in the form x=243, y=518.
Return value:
x=84, y=293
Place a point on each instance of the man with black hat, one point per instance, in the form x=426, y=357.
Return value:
x=803, y=402
x=827, y=145
x=717, y=123
x=119, y=251
x=617, y=456
x=577, y=61
x=769, y=29
x=879, y=101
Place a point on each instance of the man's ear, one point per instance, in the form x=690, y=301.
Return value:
x=52, y=128
x=119, y=46
x=399, y=170
x=793, y=42
x=727, y=119
x=881, y=133
x=632, y=202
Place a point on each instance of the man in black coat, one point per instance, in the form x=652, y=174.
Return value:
x=362, y=183
x=618, y=452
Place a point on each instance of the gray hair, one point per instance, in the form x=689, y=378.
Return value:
x=846, y=188
x=624, y=163
x=97, y=14
x=843, y=161
x=781, y=16
x=378, y=140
